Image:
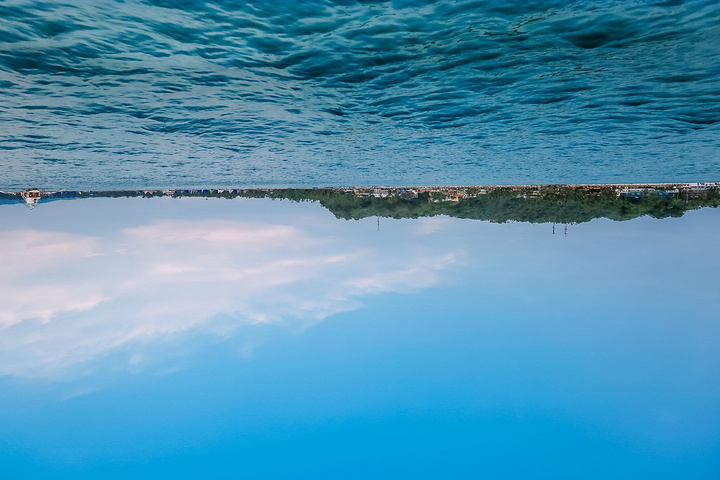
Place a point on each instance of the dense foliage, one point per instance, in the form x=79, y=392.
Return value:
x=556, y=204
x=548, y=204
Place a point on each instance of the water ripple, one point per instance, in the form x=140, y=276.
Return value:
x=384, y=91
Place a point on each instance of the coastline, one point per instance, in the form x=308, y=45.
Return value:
x=522, y=203
x=680, y=186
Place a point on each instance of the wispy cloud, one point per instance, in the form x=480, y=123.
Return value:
x=68, y=300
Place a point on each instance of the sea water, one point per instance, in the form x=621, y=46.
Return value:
x=110, y=95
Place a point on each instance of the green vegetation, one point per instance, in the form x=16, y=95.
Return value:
x=549, y=205
x=540, y=204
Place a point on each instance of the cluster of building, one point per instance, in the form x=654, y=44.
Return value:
x=665, y=189
x=454, y=194
x=435, y=194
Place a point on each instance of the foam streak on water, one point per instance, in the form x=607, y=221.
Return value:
x=307, y=93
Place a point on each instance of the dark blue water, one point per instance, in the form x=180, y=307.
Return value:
x=172, y=93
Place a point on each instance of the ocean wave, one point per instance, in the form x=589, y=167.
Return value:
x=259, y=93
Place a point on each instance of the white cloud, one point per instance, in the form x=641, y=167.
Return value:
x=68, y=300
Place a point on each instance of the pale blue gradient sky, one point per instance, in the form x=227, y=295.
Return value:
x=432, y=348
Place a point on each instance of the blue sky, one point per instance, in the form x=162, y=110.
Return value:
x=284, y=343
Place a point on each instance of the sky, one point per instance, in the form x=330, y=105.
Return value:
x=267, y=339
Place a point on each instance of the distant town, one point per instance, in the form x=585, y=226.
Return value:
x=437, y=193
x=527, y=203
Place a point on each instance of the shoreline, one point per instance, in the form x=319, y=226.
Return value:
x=533, y=203
x=387, y=188
x=32, y=196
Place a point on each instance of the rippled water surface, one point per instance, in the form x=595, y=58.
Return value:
x=308, y=93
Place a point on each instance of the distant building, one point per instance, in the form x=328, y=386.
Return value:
x=31, y=197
